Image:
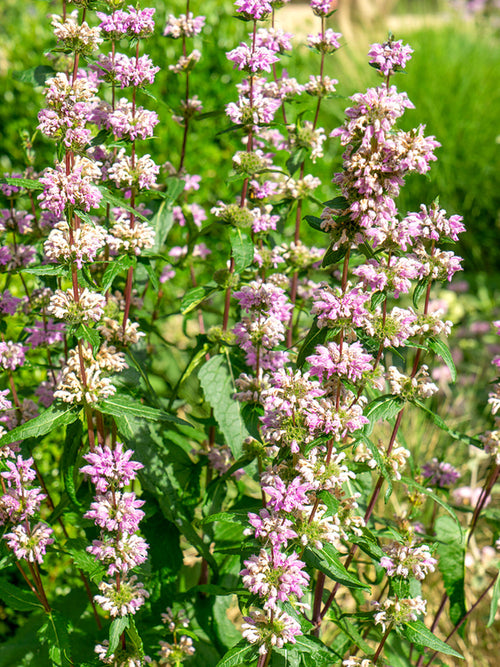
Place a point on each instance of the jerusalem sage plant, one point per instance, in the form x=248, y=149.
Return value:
x=251, y=474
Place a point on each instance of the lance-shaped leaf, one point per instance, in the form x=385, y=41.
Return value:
x=18, y=598
x=417, y=633
x=217, y=382
x=327, y=561
x=451, y=552
x=241, y=654
x=51, y=419
x=242, y=247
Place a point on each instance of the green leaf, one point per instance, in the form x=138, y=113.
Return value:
x=327, y=561
x=69, y=470
x=494, y=602
x=217, y=382
x=134, y=637
x=379, y=458
x=55, y=633
x=367, y=542
x=152, y=275
x=456, y=435
x=46, y=270
x=116, y=267
x=238, y=516
x=419, y=291
x=241, y=654
x=53, y=418
x=122, y=407
x=194, y=296
x=116, y=629
x=451, y=551
x=337, y=203
x=440, y=347
x=315, y=336
x=26, y=183
x=36, y=76
x=383, y=407
x=242, y=247
x=169, y=481
x=417, y=633
x=162, y=222
x=334, y=256
x=315, y=223
x=322, y=654
x=77, y=549
x=92, y=336
x=295, y=160
x=115, y=200
x=17, y=598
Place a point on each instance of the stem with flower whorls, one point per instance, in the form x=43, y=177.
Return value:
x=244, y=189
x=380, y=480
x=298, y=215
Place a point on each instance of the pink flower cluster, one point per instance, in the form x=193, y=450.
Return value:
x=117, y=513
x=18, y=505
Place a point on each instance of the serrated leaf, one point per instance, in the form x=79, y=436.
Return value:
x=451, y=551
x=217, y=382
x=240, y=516
x=26, y=183
x=194, y=297
x=55, y=633
x=327, y=561
x=334, y=256
x=46, y=270
x=51, y=419
x=114, y=268
x=417, y=633
x=383, y=407
x=440, y=347
x=240, y=655
x=92, y=336
x=18, y=598
x=242, y=247
x=495, y=599
x=116, y=629
x=315, y=336
x=77, y=549
x=122, y=406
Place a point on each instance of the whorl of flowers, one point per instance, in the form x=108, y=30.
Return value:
x=117, y=514
x=19, y=503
